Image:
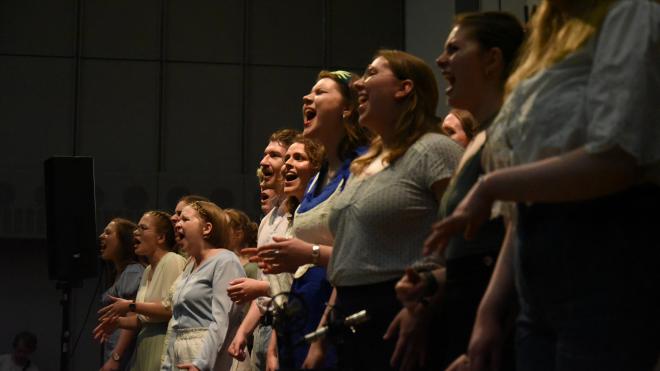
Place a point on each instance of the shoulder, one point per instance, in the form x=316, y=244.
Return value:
x=435, y=146
x=435, y=141
x=134, y=268
x=172, y=258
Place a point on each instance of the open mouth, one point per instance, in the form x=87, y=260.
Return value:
x=450, y=81
x=267, y=171
x=290, y=176
x=263, y=196
x=309, y=114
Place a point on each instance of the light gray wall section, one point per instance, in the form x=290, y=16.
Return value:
x=428, y=23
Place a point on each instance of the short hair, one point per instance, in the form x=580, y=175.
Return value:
x=239, y=220
x=212, y=213
x=163, y=224
x=284, y=136
x=26, y=338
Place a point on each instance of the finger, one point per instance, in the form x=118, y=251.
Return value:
x=249, y=251
x=113, y=298
x=280, y=238
x=392, y=328
x=237, y=281
x=104, y=309
x=435, y=241
x=398, y=349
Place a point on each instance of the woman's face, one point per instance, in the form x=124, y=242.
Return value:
x=297, y=170
x=146, y=236
x=322, y=109
x=190, y=228
x=452, y=126
x=463, y=66
x=376, y=95
x=109, y=242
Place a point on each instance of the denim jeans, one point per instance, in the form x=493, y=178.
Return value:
x=588, y=282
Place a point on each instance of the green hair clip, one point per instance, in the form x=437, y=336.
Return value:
x=344, y=76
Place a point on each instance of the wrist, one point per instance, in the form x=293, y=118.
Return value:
x=132, y=306
x=316, y=254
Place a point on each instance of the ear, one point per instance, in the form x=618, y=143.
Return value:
x=206, y=230
x=404, y=89
x=493, y=63
x=346, y=113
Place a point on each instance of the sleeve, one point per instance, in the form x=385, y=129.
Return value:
x=438, y=158
x=129, y=282
x=168, y=270
x=624, y=85
x=222, y=309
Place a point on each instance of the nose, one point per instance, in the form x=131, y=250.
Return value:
x=307, y=99
x=441, y=61
x=264, y=162
x=359, y=84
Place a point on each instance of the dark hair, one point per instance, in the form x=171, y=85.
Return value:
x=125, y=229
x=240, y=221
x=500, y=30
x=356, y=135
x=26, y=338
x=212, y=213
x=164, y=226
x=316, y=153
x=188, y=199
x=284, y=136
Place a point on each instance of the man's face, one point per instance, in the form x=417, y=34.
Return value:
x=271, y=165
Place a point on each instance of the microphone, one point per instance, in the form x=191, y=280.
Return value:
x=350, y=321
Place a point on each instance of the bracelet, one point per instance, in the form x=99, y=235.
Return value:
x=132, y=306
x=430, y=283
x=316, y=253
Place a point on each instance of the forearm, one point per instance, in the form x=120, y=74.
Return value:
x=125, y=339
x=129, y=323
x=574, y=176
x=251, y=319
x=153, y=310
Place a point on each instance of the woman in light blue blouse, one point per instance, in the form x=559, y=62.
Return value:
x=203, y=316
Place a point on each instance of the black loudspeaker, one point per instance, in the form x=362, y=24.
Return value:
x=70, y=218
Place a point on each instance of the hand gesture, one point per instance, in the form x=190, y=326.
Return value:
x=243, y=290
x=467, y=218
x=118, y=307
x=410, y=288
x=284, y=255
x=104, y=329
x=237, y=347
x=411, y=345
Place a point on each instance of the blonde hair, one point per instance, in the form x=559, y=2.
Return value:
x=419, y=116
x=212, y=213
x=554, y=34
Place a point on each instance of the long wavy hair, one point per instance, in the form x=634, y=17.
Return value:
x=417, y=119
x=554, y=34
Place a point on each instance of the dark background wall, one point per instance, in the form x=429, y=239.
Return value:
x=169, y=97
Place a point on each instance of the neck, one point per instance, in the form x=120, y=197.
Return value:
x=119, y=267
x=488, y=109
x=156, y=256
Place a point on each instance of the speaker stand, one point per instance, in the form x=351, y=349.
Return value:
x=65, y=334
